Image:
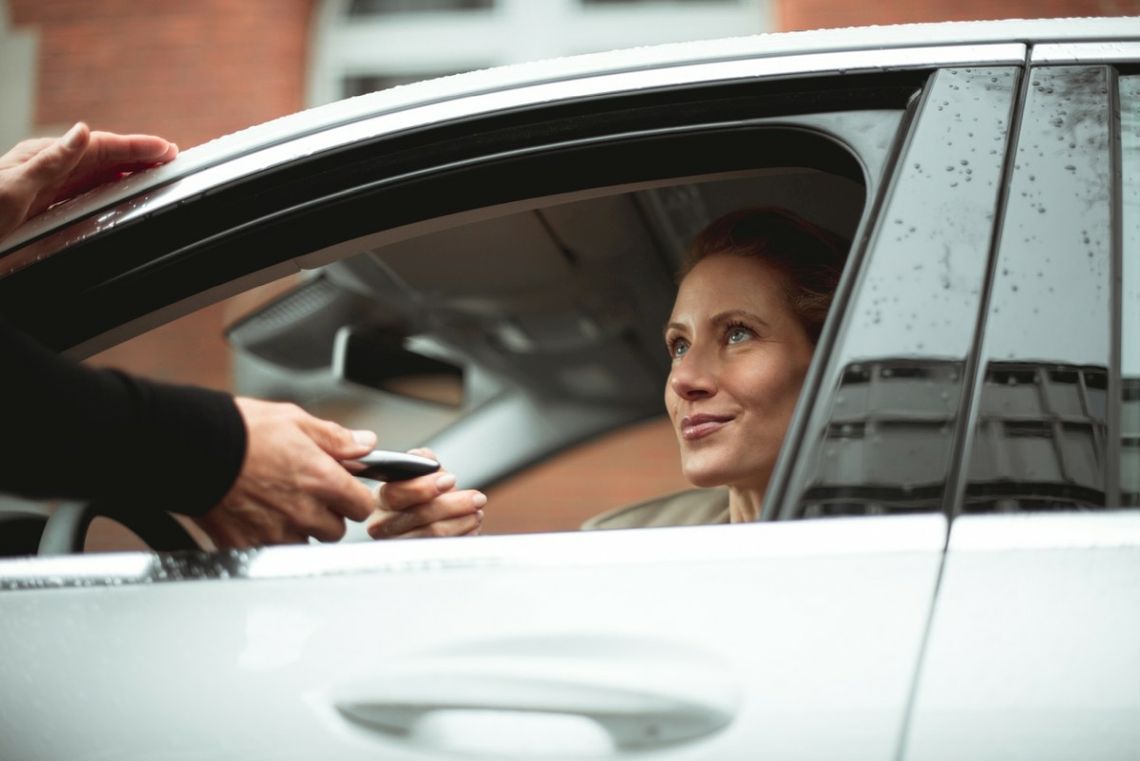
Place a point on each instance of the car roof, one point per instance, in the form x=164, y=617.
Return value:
x=509, y=77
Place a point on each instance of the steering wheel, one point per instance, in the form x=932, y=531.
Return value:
x=66, y=529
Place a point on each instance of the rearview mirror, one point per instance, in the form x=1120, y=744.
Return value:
x=377, y=358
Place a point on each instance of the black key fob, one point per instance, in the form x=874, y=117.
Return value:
x=383, y=465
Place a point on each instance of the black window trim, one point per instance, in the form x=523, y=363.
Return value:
x=1114, y=403
x=782, y=501
x=103, y=267
x=961, y=472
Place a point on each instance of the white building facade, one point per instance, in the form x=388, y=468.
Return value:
x=365, y=45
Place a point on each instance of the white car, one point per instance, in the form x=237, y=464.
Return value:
x=948, y=563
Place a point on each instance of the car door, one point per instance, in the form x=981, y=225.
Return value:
x=788, y=639
x=1033, y=646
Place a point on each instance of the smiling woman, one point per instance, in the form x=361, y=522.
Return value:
x=754, y=294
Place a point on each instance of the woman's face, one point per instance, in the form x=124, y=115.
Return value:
x=739, y=359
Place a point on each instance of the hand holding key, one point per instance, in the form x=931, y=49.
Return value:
x=426, y=505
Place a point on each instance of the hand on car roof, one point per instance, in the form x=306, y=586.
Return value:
x=43, y=171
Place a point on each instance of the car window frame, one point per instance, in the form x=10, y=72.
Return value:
x=1127, y=227
x=900, y=88
x=158, y=258
x=1083, y=160
x=793, y=472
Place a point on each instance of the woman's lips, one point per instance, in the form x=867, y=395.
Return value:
x=699, y=426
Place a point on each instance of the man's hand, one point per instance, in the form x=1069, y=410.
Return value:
x=40, y=172
x=292, y=484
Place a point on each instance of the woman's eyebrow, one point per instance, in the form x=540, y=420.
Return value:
x=722, y=318
x=736, y=315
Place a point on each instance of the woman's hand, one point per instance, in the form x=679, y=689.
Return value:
x=427, y=506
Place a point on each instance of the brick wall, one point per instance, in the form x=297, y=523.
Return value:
x=189, y=71
x=819, y=14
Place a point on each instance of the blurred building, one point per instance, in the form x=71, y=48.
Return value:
x=365, y=45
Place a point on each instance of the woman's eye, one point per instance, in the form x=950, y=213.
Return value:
x=678, y=347
x=736, y=335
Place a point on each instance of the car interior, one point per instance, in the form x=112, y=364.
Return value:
x=539, y=330
x=516, y=342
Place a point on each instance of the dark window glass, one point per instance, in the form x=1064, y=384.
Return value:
x=366, y=83
x=1042, y=429
x=880, y=439
x=659, y=2
x=1130, y=292
x=380, y=7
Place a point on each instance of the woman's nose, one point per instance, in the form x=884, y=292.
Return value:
x=691, y=378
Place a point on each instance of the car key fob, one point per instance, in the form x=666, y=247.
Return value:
x=384, y=465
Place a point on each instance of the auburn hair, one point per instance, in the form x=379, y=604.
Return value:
x=809, y=258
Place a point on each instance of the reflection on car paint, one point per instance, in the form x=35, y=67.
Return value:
x=888, y=439
x=517, y=553
x=1040, y=441
x=121, y=569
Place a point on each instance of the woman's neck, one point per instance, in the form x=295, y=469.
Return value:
x=744, y=503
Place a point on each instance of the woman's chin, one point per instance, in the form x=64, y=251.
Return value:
x=709, y=472
x=707, y=476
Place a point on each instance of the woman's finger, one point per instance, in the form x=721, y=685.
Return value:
x=400, y=495
x=113, y=149
x=443, y=508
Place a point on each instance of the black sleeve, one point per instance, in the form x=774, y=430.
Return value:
x=77, y=432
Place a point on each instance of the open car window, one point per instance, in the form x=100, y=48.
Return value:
x=525, y=348
x=497, y=295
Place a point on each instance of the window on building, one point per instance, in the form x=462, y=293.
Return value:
x=365, y=45
x=360, y=85
x=659, y=2
x=382, y=7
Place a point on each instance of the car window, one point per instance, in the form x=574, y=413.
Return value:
x=1130, y=291
x=530, y=262
x=1042, y=438
x=882, y=436
x=557, y=313
x=562, y=305
x=553, y=317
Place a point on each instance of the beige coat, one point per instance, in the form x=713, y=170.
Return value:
x=695, y=507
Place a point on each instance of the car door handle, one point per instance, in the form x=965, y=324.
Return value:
x=640, y=706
